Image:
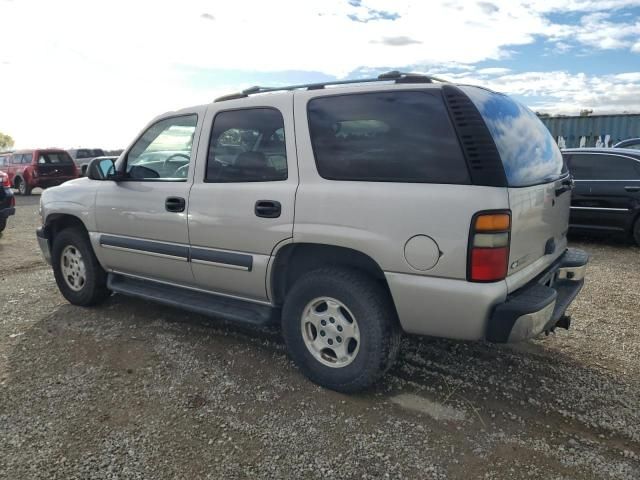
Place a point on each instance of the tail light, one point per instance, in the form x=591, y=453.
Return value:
x=4, y=179
x=489, y=241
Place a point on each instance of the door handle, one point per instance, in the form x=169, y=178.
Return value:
x=268, y=209
x=175, y=204
x=632, y=188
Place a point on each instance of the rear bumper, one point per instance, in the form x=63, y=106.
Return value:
x=43, y=243
x=44, y=182
x=540, y=305
x=7, y=212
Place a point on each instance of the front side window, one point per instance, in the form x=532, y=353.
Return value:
x=385, y=137
x=247, y=146
x=163, y=152
x=603, y=167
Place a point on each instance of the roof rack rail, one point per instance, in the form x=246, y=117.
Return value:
x=395, y=76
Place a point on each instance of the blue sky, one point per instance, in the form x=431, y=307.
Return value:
x=97, y=72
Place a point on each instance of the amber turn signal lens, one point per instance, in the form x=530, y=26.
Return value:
x=493, y=222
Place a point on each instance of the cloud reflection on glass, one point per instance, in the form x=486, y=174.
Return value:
x=528, y=151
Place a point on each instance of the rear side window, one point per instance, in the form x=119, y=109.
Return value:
x=385, y=137
x=528, y=151
x=603, y=167
x=247, y=146
x=54, y=158
x=3, y=161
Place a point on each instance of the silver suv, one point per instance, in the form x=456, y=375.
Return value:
x=349, y=213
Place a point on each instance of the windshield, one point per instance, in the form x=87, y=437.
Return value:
x=529, y=154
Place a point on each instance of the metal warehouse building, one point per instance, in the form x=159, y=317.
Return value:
x=593, y=127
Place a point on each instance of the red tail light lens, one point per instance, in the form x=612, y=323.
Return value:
x=4, y=179
x=489, y=264
x=489, y=246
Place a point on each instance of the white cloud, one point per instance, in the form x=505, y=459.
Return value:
x=566, y=93
x=493, y=71
x=93, y=73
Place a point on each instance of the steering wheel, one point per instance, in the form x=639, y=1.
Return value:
x=182, y=171
x=167, y=160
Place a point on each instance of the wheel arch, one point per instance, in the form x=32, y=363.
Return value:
x=56, y=222
x=17, y=178
x=295, y=259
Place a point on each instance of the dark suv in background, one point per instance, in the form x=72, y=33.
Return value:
x=29, y=169
x=606, y=196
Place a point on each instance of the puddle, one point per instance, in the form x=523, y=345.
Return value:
x=435, y=410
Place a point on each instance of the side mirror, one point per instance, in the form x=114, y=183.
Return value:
x=101, y=169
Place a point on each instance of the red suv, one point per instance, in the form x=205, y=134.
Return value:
x=29, y=169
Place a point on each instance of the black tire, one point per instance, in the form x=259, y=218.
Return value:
x=23, y=187
x=3, y=224
x=377, y=323
x=94, y=289
x=636, y=231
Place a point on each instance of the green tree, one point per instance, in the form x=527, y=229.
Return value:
x=5, y=141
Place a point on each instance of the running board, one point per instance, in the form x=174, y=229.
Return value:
x=203, y=303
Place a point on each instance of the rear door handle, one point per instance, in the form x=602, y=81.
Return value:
x=268, y=209
x=632, y=188
x=175, y=204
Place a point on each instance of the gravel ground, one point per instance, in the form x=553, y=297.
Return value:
x=135, y=390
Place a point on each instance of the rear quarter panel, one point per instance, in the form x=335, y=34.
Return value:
x=378, y=218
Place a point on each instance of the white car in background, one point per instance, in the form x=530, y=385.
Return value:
x=83, y=156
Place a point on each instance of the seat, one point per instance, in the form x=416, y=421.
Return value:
x=252, y=160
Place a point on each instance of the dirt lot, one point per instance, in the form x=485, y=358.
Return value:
x=135, y=390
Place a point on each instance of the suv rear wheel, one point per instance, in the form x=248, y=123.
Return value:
x=340, y=328
x=3, y=224
x=79, y=276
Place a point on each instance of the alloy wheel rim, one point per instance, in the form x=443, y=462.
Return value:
x=73, y=268
x=330, y=332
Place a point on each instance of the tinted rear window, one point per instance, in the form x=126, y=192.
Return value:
x=386, y=137
x=529, y=154
x=54, y=158
x=85, y=153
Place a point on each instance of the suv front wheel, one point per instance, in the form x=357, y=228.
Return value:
x=22, y=186
x=79, y=276
x=341, y=328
